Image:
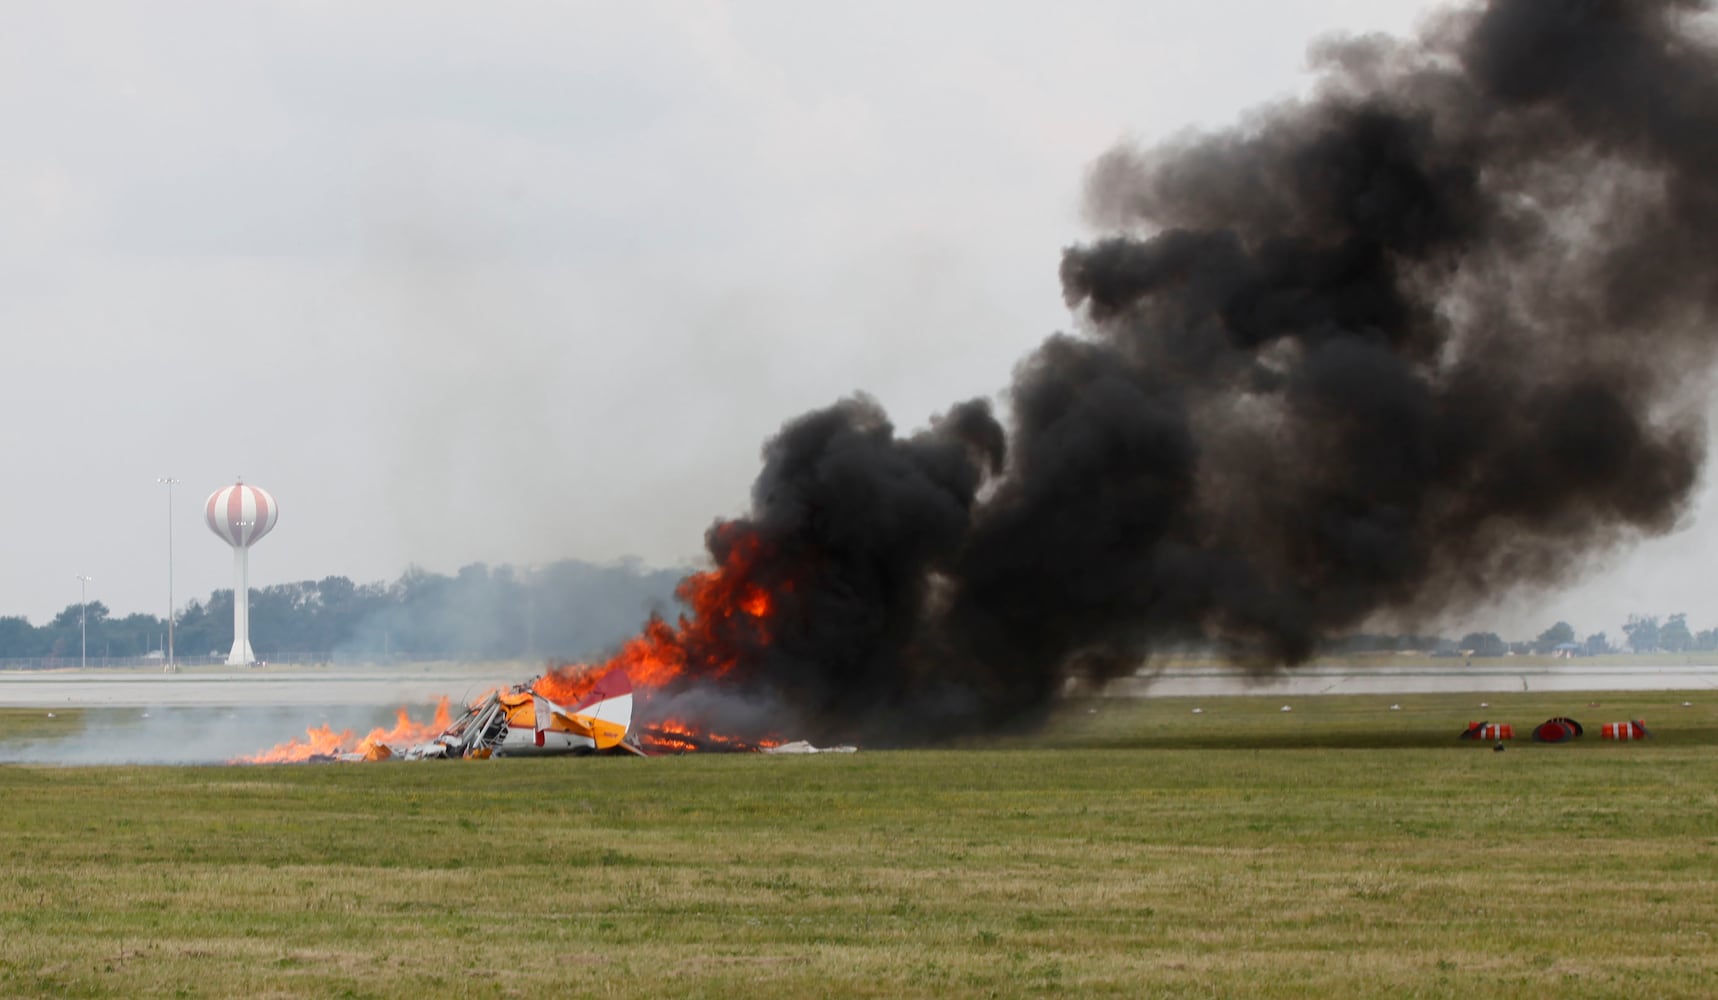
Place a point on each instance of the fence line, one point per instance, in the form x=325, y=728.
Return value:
x=158, y=662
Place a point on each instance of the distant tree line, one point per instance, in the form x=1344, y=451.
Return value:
x=565, y=609
x=1646, y=634
x=1641, y=634
x=572, y=609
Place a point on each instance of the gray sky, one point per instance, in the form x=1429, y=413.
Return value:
x=537, y=281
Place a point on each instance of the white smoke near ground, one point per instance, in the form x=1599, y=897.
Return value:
x=185, y=736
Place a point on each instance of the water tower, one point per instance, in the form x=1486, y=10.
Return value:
x=240, y=515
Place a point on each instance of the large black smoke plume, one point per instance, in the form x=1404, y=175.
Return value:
x=1436, y=332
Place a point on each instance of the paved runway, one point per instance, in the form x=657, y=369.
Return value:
x=397, y=686
x=143, y=689
x=1420, y=679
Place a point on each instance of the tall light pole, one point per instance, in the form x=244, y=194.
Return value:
x=168, y=482
x=83, y=618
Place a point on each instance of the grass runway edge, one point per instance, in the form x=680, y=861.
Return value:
x=1130, y=848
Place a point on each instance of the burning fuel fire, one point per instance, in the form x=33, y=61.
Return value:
x=673, y=736
x=324, y=743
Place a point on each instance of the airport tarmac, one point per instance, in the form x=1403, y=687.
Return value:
x=397, y=686
x=1457, y=678
x=143, y=689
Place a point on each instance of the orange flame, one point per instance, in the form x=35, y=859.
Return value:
x=726, y=604
x=322, y=741
x=680, y=736
x=731, y=609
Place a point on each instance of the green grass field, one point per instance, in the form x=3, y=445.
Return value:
x=1132, y=849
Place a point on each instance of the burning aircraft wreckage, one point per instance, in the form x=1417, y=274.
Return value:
x=1441, y=330
x=520, y=722
x=665, y=691
x=673, y=671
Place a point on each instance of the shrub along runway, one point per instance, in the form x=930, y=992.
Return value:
x=1132, y=848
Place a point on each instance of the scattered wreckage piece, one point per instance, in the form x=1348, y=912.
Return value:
x=802, y=747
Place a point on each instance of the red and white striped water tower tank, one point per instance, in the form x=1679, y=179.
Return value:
x=240, y=515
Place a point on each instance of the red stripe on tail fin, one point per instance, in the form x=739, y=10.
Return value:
x=613, y=684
